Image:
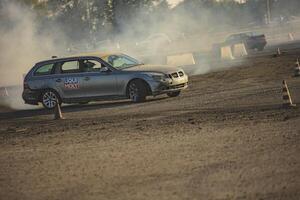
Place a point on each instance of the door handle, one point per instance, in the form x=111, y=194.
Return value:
x=86, y=78
x=58, y=80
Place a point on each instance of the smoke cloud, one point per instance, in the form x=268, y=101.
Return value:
x=22, y=44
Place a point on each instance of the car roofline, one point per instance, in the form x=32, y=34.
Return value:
x=66, y=58
x=71, y=58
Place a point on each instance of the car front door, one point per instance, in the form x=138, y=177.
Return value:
x=99, y=81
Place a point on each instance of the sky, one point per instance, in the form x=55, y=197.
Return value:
x=173, y=3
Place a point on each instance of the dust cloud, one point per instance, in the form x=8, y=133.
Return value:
x=21, y=46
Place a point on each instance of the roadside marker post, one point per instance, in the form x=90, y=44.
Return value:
x=278, y=52
x=286, y=96
x=297, y=68
x=57, y=112
x=4, y=92
x=291, y=37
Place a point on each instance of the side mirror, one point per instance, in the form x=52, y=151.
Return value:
x=104, y=69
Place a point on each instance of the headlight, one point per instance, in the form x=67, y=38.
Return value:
x=158, y=76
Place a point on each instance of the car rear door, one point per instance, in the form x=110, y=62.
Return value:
x=98, y=82
x=69, y=79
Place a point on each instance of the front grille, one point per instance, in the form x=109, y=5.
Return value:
x=177, y=86
x=176, y=74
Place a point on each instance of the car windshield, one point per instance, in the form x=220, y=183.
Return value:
x=121, y=61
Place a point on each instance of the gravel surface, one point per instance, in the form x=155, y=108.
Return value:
x=226, y=137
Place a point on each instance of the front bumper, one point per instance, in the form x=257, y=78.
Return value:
x=31, y=97
x=167, y=89
x=171, y=85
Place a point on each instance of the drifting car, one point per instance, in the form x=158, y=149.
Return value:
x=99, y=76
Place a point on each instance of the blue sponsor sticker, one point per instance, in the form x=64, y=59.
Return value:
x=71, y=83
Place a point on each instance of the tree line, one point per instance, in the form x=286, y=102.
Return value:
x=108, y=18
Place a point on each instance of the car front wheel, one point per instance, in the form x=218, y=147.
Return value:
x=50, y=99
x=173, y=94
x=137, y=91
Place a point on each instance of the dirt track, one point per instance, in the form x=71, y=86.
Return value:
x=226, y=137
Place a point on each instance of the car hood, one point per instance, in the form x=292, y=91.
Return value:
x=153, y=68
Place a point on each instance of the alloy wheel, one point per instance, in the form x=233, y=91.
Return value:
x=49, y=99
x=133, y=92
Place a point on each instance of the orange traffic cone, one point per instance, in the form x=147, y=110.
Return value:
x=57, y=112
x=286, y=96
x=297, y=68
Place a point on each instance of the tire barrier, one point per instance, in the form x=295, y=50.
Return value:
x=153, y=59
x=181, y=59
x=286, y=96
x=297, y=68
x=239, y=50
x=226, y=53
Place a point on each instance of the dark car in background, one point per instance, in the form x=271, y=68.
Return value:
x=251, y=40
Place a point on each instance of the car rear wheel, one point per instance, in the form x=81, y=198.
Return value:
x=50, y=99
x=137, y=91
x=173, y=94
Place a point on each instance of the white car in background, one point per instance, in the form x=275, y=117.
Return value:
x=154, y=41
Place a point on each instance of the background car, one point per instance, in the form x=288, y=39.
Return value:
x=250, y=39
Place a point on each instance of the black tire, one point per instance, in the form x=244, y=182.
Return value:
x=173, y=94
x=137, y=91
x=49, y=99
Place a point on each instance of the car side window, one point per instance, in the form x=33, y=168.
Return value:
x=70, y=67
x=44, y=70
x=90, y=65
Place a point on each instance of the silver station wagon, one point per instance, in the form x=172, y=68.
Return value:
x=99, y=76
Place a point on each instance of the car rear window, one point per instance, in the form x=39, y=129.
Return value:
x=44, y=70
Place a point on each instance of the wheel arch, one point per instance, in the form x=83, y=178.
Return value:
x=41, y=91
x=148, y=88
